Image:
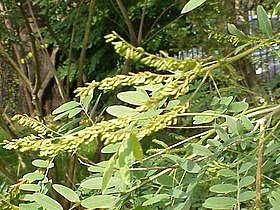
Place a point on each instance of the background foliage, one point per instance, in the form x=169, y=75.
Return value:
x=145, y=130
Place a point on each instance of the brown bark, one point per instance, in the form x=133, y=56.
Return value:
x=5, y=127
x=245, y=68
x=85, y=43
x=128, y=22
x=70, y=56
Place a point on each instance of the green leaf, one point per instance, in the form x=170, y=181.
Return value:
x=189, y=165
x=86, y=102
x=65, y=107
x=74, y=112
x=157, y=198
x=29, y=206
x=99, y=201
x=237, y=107
x=133, y=97
x=246, y=181
x=247, y=195
x=96, y=168
x=274, y=203
x=111, y=148
x=121, y=111
x=96, y=183
x=271, y=147
x=278, y=54
x=76, y=129
x=220, y=203
x=277, y=160
x=42, y=163
x=108, y=172
x=69, y=124
x=264, y=22
x=223, y=188
x=276, y=195
x=191, y=5
x=199, y=150
x=214, y=142
x=125, y=158
x=151, y=87
x=232, y=124
x=276, y=9
x=150, y=113
x=173, y=158
x=247, y=123
x=124, y=171
x=234, y=31
x=26, y=197
x=245, y=167
x=136, y=148
x=222, y=134
x=66, y=192
x=215, y=101
x=33, y=176
x=166, y=180
x=243, y=145
x=226, y=100
x=178, y=193
x=227, y=173
x=241, y=47
x=61, y=115
x=192, y=186
x=47, y=202
x=203, y=119
x=30, y=187
x=172, y=104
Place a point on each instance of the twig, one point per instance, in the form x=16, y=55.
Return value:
x=140, y=31
x=191, y=127
x=262, y=123
x=128, y=22
x=275, y=182
x=85, y=42
x=176, y=145
x=152, y=178
x=259, y=166
x=130, y=169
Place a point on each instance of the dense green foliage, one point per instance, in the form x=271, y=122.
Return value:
x=180, y=134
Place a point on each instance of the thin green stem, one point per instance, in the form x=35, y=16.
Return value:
x=215, y=85
x=199, y=86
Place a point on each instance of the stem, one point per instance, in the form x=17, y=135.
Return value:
x=238, y=188
x=140, y=33
x=152, y=178
x=85, y=42
x=161, y=14
x=259, y=167
x=34, y=51
x=232, y=59
x=49, y=58
x=199, y=86
x=16, y=68
x=152, y=36
x=10, y=176
x=272, y=180
x=176, y=145
x=204, y=114
x=71, y=48
x=128, y=22
x=5, y=127
x=215, y=85
x=70, y=176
